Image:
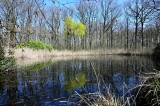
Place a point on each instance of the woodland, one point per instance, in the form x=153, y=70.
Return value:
x=81, y=24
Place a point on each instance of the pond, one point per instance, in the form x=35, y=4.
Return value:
x=55, y=81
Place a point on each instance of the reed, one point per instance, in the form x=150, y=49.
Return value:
x=146, y=93
x=100, y=99
x=30, y=53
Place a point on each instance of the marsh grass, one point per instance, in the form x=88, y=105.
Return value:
x=144, y=94
x=148, y=93
x=33, y=53
x=100, y=98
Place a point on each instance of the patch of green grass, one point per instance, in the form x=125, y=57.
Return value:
x=36, y=45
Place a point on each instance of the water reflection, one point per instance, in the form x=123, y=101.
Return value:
x=36, y=66
x=78, y=80
x=54, y=84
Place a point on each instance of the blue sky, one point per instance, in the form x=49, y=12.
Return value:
x=71, y=3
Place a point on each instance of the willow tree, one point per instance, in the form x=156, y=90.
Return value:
x=72, y=30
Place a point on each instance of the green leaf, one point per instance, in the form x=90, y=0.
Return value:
x=73, y=28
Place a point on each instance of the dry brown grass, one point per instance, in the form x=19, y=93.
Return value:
x=144, y=51
x=29, y=53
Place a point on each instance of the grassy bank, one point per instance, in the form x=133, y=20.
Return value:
x=37, y=49
x=32, y=53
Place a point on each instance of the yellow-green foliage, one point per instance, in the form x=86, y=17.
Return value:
x=73, y=28
x=35, y=45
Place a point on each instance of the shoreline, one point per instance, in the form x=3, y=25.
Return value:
x=33, y=54
x=29, y=56
x=28, y=61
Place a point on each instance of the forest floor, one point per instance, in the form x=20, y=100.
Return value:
x=32, y=54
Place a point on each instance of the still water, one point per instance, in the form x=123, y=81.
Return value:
x=55, y=81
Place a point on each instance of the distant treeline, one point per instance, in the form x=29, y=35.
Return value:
x=101, y=24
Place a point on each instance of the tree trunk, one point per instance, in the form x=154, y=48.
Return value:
x=127, y=32
x=136, y=33
x=111, y=31
x=142, y=35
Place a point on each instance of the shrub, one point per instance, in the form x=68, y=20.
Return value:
x=156, y=51
x=7, y=63
x=35, y=45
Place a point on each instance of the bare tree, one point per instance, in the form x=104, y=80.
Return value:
x=82, y=16
x=55, y=19
x=133, y=11
x=144, y=15
x=109, y=14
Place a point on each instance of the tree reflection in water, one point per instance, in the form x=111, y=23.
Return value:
x=78, y=80
x=56, y=82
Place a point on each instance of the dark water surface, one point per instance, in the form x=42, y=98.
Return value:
x=53, y=82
